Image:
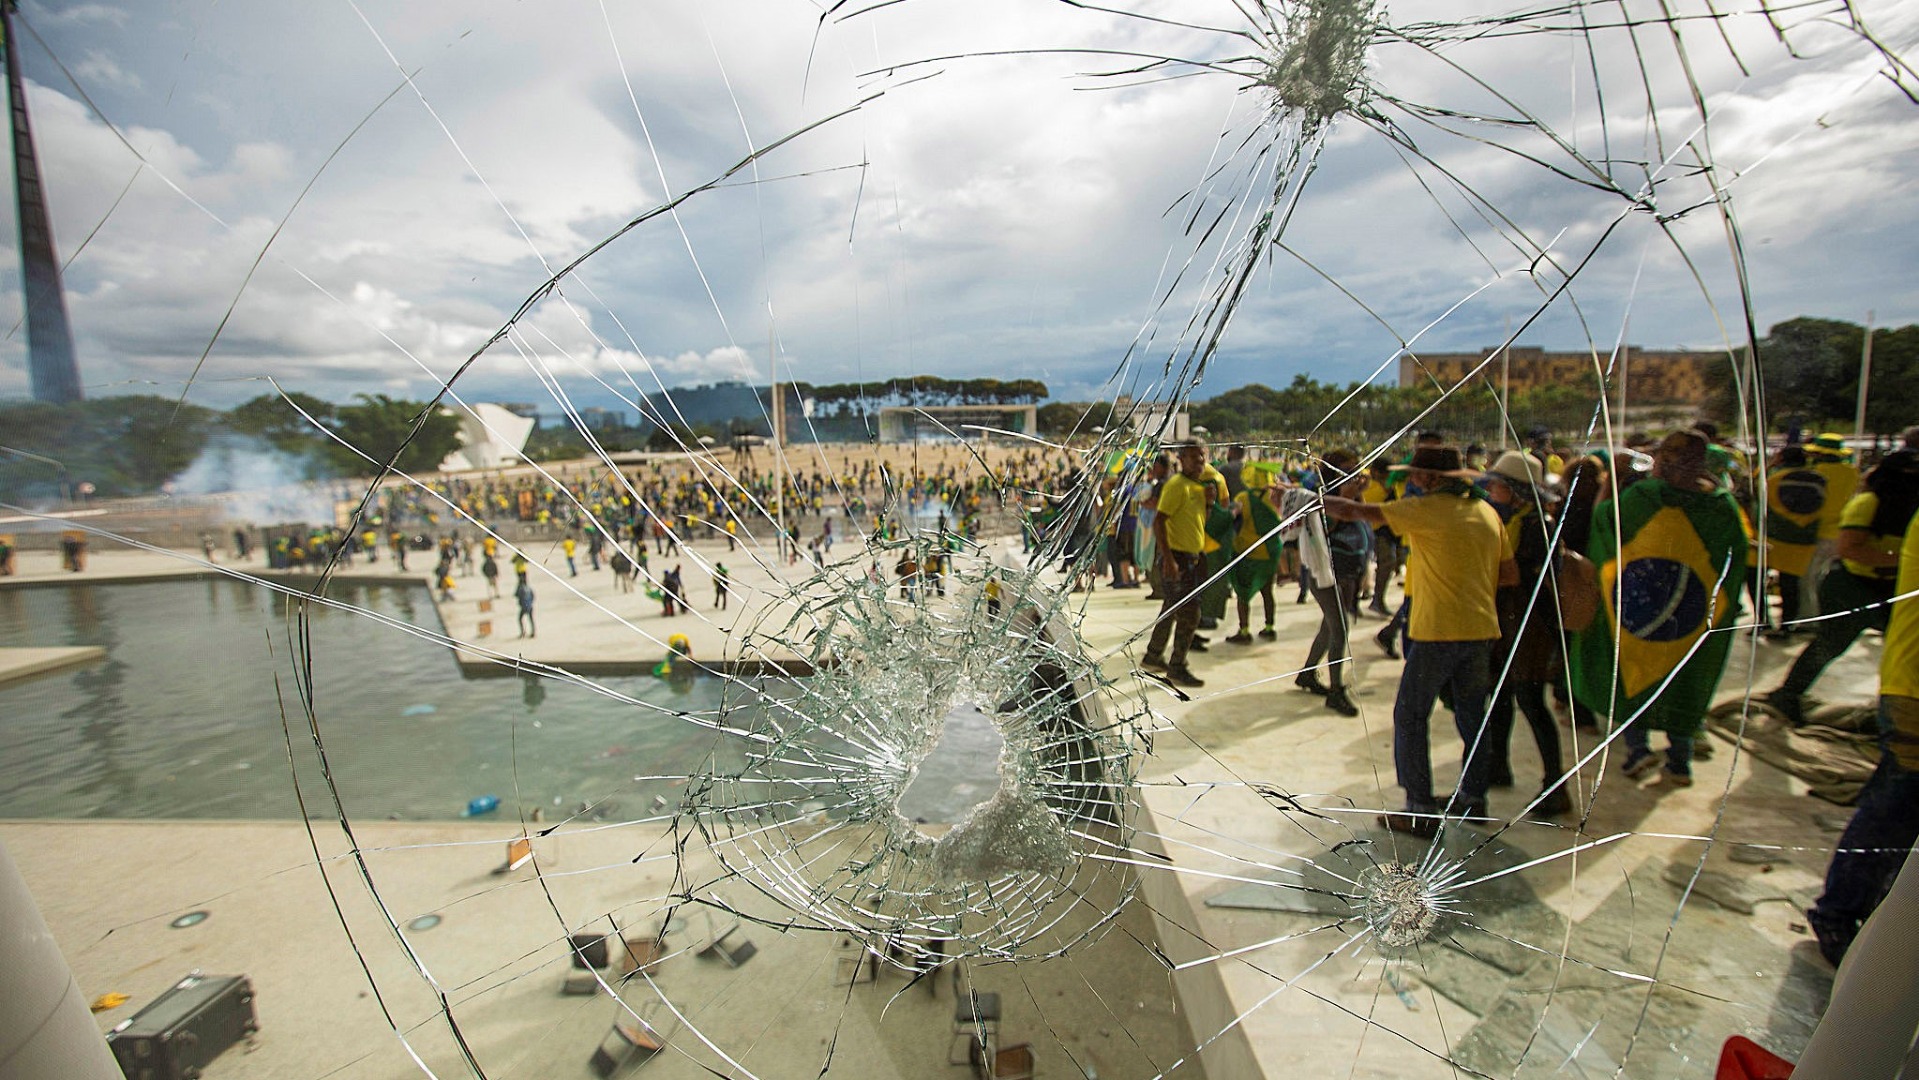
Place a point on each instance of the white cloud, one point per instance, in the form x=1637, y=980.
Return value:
x=98, y=67
x=1006, y=214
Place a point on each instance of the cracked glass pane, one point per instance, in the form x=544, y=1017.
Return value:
x=626, y=533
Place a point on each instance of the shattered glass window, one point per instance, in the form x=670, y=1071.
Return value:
x=814, y=738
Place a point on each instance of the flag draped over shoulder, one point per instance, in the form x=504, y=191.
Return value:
x=1671, y=567
x=1258, y=560
x=1795, y=501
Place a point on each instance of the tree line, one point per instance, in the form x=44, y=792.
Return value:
x=134, y=444
x=1809, y=369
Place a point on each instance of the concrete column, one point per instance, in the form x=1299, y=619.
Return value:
x=45, y=1028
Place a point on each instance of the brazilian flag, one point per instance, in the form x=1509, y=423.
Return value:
x=1795, y=501
x=1671, y=568
x=1257, y=560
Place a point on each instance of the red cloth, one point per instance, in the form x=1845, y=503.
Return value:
x=1743, y=1059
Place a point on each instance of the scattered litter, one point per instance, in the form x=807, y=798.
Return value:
x=108, y=1001
x=419, y=710
x=481, y=804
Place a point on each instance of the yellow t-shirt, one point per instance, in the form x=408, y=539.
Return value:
x=1375, y=491
x=1899, y=663
x=1858, y=515
x=1452, y=568
x=1182, y=505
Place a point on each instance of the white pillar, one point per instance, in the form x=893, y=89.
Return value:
x=45, y=1028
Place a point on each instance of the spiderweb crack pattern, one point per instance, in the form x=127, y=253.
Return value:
x=1119, y=800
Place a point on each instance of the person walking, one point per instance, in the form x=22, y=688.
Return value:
x=1457, y=558
x=1256, y=546
x=1795, y=502
x=720, y=589
x=1179, y=534
x=1670, y=552
x=1338, y=556
x=1523, y=494
x=523, y=592
x=1853, y=597
x=1885, y=822
x=490, y=571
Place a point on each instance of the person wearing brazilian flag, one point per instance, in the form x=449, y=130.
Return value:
x=1796, y=500
x=1853, y=596
x=1255, y=548
x=1671, y=558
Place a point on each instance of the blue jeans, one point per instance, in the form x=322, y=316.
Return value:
x=1638, y=740
x=1465, y=669
x=1884, y=826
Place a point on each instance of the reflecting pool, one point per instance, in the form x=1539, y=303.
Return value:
x=183, y=718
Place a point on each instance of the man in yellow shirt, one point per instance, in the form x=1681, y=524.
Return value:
x=1885, y=823
x=1458, y=556
x=1179, y=534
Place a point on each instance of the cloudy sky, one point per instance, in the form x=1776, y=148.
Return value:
x=1021, y=214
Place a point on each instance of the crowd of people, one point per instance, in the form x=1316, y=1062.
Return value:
x=1616, y=582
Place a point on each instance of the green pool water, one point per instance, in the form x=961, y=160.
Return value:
x=183, y=717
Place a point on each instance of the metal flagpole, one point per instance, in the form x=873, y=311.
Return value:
x=1865, y=380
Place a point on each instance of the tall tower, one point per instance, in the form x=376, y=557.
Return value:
x=56, y=375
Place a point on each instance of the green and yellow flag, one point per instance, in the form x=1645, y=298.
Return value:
x=1671, y=568
x=1795, y=501
x=1259, y=560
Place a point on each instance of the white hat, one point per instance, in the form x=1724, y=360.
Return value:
x=1523, y=473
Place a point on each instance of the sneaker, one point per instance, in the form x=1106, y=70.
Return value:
x=1787, y=704
x=1183, y=676
x=1702, y=748
x=1197, y=645
x=1269, y=634
x=1241, y=638
x=1640, y=763
x=1385, y=640
x=1424, y=827
x=1669, y=778
x=1337, y=701
x=1202, y=639
x=1560, y=801
x=1379, y=610
x=1310, y=683
x=1153, y=662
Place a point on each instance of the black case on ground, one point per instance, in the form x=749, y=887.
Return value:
x=185, y=1028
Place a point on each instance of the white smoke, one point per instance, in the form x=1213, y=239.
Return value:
x=257, y=483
